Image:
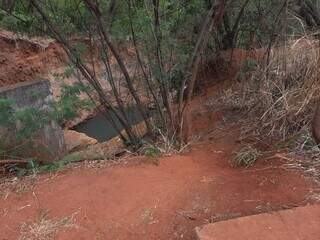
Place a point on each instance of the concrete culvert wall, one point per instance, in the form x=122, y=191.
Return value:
x=50, y=144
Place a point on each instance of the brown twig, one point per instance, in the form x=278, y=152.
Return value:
x=13, y=161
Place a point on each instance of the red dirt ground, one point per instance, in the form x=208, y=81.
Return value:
x=145, y=201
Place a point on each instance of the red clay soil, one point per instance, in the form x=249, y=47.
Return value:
x=167, y=201
x=22, y=60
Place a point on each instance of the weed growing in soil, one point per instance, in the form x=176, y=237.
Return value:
x=163, y=145
x=152, y=151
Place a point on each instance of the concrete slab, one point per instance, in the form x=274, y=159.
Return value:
x=301, y=223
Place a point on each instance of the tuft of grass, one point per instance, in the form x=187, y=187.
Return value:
x=246, y=156
x=45, y=228
x=152, y=151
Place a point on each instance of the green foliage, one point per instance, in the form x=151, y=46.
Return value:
x=179, y=28
x=25, y=122
x=70, y=103
x=29, y=121
x=152, y=151
x=6, y=113
x=20, y=128
x=20, y=22
x=180, y=24
x=67, y=14
x=59, y=165
x=180, y=20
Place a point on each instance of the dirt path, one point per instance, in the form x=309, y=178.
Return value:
x=140, y=201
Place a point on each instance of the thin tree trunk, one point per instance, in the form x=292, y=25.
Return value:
x=111, y=13
x=163, y=83
x=234, y=32
x=96, y=12
x=83, y=69
x=106, y=63
x=192, y=57
x=214, y=17
x=103, y=111
x=139, y=59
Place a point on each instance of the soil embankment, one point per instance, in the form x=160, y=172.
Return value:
x=24, y=60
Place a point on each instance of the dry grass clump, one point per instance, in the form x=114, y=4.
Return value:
x=45, y=228
x=280, y=95
x=246, y=156
x=286, y=89
x=279, y=99
x=165, y=145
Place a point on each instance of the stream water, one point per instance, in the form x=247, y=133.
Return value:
x=101, y=129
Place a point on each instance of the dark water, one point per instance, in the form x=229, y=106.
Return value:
x=101, y=129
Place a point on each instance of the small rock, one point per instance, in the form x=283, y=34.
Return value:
x=76, y=141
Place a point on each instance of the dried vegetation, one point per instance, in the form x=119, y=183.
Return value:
x=277, y=100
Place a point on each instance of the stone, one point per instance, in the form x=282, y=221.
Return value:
x=299, y=223
x=76, y=141
x=49, y=145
